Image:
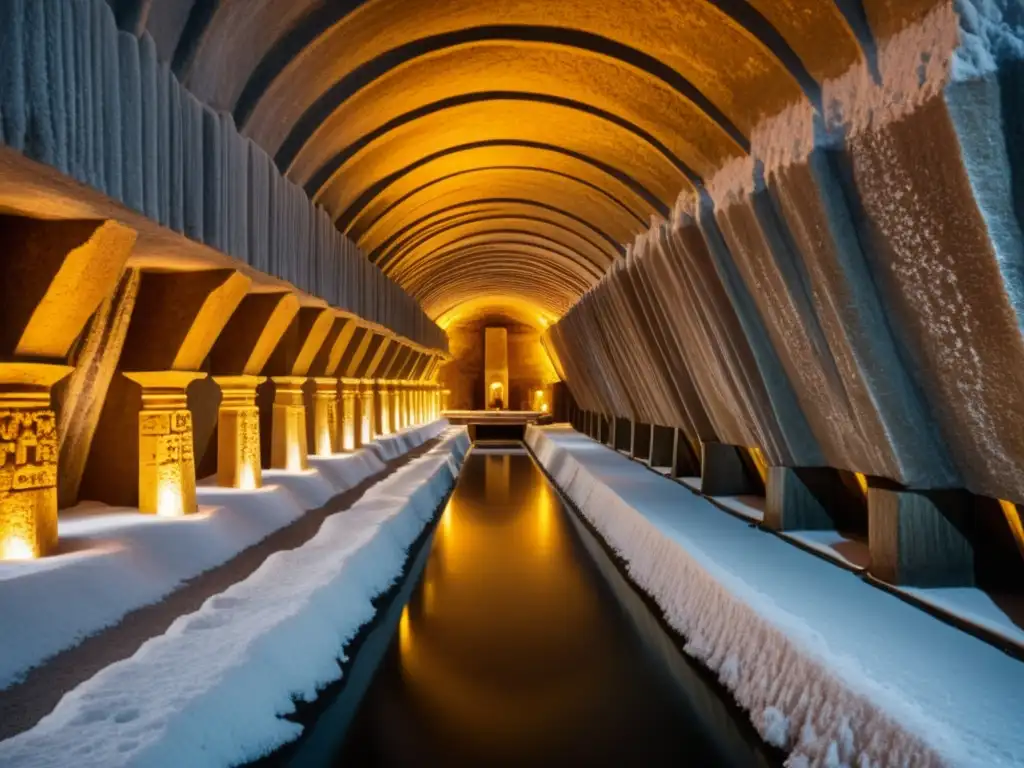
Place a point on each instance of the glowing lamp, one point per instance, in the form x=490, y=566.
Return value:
x=169, y=501
x=15, y=547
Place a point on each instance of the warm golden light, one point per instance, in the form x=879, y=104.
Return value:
x=169, y=501
x=247, y=477
x=14, y=547
x=404, y=634
x=238, y=433
x=323, y=442
x=167, y=470
x=428, y=596
x=759, y=462
x=862, y=481
x=349, y=393
x=1012, y=515
x=544, y=407
x=296, y=461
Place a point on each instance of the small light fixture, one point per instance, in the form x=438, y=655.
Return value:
x=14, y=547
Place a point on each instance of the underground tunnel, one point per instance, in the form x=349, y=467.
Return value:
x=394, y=382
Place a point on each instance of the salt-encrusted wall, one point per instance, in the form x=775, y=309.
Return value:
x=102, y=106
x=850, y=295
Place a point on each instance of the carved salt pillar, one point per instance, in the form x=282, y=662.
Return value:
x=417, y=393
x=396, y=405
x=238, y=433
x=444, y=399
x=288, y=448
x=28, y=459
x=406, y=410
x=325, y=415
x=384, y=425
x=366, y=421
x=349, y=415
x=167, y=469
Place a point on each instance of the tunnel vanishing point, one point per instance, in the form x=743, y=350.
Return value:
x=772, y=244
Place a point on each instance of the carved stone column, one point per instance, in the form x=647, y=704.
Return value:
x=325, y=415
x=421, y=411
x=28, y=459
x=167, y=469
x=349, y=415
x=384, y=416
x=404, y=405
x=288, y=448
x=396, y=404
x=367, y=428
x=445, y=393
x=238, y=433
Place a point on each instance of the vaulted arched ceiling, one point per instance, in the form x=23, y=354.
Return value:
x=505, y=151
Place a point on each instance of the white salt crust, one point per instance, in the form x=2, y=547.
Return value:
x=830, y=669
x=914, y=65
x=211, y=691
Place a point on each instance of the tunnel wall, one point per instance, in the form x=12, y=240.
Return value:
x=99, y=105
x=849, y=296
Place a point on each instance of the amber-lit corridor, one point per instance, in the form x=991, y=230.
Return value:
x=745, y=279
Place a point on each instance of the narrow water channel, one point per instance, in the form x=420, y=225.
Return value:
x=521, y=644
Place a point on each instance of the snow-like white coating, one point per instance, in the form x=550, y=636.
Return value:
x=118, y=560
x=212, y=689
x=829, y=668
x=914, y=65
x=990, y=31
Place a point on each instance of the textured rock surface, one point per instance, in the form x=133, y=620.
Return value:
x=97, y=104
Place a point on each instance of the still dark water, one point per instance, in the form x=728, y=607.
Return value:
x=522, y=645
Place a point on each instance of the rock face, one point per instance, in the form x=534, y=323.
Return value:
x=97, y=104
x=851, y=295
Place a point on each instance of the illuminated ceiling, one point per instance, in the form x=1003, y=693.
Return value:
x=506, y=150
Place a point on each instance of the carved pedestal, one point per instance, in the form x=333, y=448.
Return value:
x=28, y=459
x=349, y=415
x=406, y=411
x=421, y=404
x=384, y=426
x=288, y=447
x=167, y=469
x=238, y=433
x=325, y=415
x=367, y=429
x=396, y=405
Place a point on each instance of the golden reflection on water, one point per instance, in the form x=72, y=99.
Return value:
x=500, y=579
x=513, y=651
